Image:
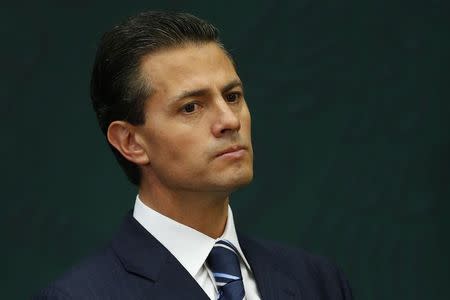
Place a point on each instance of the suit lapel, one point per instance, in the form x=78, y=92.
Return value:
x=273, y=284
x=141, y=254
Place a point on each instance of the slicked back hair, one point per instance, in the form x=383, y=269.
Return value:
x=118, y=89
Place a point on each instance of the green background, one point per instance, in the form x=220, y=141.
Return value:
x=350, y=106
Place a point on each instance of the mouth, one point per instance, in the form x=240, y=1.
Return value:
x=234, y=151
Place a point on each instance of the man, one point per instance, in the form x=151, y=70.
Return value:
x=172, y=107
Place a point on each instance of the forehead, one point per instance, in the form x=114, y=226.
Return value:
x=191, y=66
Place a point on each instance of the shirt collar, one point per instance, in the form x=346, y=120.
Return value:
x=189, y=246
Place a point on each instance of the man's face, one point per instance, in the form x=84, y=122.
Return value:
x=196, y=113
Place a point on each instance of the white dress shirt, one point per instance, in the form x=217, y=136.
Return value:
x=191, y=247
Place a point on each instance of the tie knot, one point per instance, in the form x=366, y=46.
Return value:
x=223, y=261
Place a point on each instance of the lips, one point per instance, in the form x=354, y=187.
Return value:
x=232, y=149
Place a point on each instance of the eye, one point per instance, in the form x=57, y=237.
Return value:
x=233, y=97
x=190, y=107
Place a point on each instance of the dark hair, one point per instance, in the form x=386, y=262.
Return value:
x=118, y=90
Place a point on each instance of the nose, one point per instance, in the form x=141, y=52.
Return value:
x=226, y=120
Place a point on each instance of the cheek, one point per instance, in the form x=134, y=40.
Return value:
x=180, y=159
x=177, y=150
x=246, y=121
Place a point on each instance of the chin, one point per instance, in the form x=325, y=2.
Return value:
x=239, y=179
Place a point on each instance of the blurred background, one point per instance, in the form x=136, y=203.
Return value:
x=350, y=106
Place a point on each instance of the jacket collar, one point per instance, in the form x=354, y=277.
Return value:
x=141, y=254
x=272, y=282
x=139, y=251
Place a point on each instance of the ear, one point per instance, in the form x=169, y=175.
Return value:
x=122, y=135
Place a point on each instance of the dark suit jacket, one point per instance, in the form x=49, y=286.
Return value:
x=136, y=266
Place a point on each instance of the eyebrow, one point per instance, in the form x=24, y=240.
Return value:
x=201, y=92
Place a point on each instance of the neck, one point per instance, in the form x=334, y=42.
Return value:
x=204, y=212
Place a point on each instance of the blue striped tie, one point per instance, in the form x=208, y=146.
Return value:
x=224, y=263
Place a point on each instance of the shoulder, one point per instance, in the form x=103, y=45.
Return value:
x=317, y=274
x=88, y=279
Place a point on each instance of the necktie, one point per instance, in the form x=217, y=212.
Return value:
x=224, y=263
